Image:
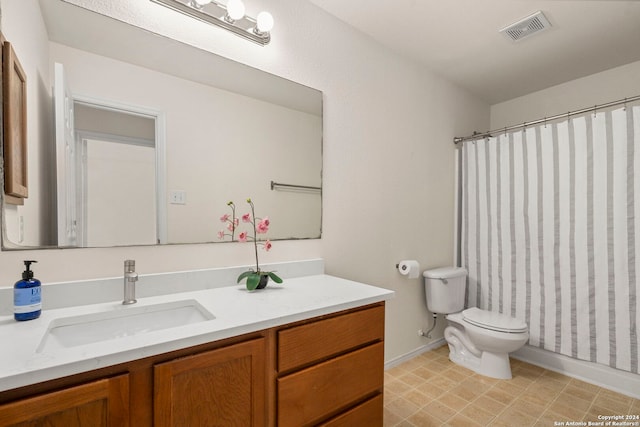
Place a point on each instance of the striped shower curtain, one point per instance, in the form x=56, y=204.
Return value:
x=550, y=230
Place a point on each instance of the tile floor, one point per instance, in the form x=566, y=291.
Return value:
x=430, y=390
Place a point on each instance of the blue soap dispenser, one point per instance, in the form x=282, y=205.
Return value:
x=27, y=302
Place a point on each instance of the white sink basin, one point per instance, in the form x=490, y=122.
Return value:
x=123, y=321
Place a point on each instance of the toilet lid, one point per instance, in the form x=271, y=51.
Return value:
x=493, y=321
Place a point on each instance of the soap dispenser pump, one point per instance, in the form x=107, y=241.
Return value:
x=27, y=301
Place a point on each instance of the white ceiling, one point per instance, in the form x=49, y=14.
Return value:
x=459, y=39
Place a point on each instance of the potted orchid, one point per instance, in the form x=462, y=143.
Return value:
x=256, y=279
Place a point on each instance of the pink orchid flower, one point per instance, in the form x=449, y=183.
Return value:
x=221, y=234
x=242, y=237
x=267, y=245
x=263, y=226
x=224, y=218
x=233, y=224
x=246, y=217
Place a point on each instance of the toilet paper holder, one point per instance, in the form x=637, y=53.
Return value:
x=409, y=268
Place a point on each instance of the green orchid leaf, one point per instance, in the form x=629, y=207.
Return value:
x=275, y=277
x=253, y=280
x=243, y=275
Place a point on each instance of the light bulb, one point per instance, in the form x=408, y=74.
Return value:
x=235, y=9
x=264, y=22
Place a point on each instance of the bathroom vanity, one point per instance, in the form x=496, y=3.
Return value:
x=308, y=352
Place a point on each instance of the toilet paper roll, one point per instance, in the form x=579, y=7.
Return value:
x=409, y=268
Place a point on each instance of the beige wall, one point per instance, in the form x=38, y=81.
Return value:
x=388, y=160
x=611, y=85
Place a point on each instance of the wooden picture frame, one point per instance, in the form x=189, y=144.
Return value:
x=14, y=116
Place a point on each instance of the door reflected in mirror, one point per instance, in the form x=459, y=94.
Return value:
x=119, y=183
x=144, y=118
x=116, y=178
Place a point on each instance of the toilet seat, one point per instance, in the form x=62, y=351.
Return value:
x=493, y=321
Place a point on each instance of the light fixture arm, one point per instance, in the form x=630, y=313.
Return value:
x=245, y=27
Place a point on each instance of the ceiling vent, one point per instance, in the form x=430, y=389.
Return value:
x=532, y=24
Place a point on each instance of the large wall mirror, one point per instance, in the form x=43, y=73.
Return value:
x=137, y=139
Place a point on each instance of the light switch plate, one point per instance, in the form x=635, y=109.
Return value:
x=178, y=197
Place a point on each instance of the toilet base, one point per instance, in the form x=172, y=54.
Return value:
x=464, y=353
x=493, y=365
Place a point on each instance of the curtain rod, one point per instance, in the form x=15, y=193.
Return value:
x=458, y=139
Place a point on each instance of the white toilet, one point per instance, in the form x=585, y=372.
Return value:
x=479, y=340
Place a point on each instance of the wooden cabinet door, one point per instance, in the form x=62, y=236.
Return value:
x=222, y=387
x=99, y=403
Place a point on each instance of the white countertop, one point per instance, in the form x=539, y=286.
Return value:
x=236, y=312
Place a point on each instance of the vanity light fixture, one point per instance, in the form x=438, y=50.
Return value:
x=230, y=16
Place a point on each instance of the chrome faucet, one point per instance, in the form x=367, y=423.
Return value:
x=130, y=279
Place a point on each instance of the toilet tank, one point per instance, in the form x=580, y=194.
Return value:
x=445, y=289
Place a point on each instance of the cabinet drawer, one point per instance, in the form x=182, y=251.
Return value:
x=369, y=413
x=311, y=394
x=305, y=344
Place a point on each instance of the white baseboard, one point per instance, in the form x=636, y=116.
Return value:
x=623, y=382
x=418, y=351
